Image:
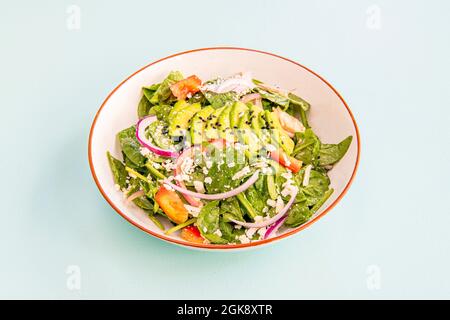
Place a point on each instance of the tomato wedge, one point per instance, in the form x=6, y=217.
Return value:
x=191, y=234
x=182, y=88
x=288, y=162
x=172, y=205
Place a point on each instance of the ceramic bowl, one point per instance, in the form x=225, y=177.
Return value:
x=330, y=117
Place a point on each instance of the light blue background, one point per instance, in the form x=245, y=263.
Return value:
x=395, y=217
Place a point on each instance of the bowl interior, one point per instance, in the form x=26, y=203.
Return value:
x=329, y=117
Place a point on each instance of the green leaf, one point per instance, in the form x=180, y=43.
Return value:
x=118, y=170
x=163, y=92
x=218, y=100
x=276, y=98
x=298, y=215
x=297, y=101
x=161, y=111
x=208, y=222
x=331, y=153
x=131, y=146
x=230, y=209
x=307, y=148
x=221, y=172
x=143, y=107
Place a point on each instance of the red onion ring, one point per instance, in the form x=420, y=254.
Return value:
x=216, y=196
x=136, y=195
x=274, y=227
x=140, y=135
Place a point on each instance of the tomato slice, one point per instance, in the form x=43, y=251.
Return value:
x=182, y=88
x=288, y=162
x=191, y=234
x=172, y=205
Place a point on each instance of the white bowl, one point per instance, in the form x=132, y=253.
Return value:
x=330, y=118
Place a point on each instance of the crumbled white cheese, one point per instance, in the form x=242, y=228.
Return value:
x=205, y=170
x=243, y=239
x=271, y=203
x=194, y=211
x=144, y=151
x=187, y=166
x=307, y=175
x=287, y=175
x=156, y=165
x=259, y=219
x=218, y=232
x=208, y=164
x=169, y=165
x=287, y=161
x=241, y=173
x=289, y=189
x=208, y=180
x=198, y=185
x=231, y=165
x=237, y=226
x=265, y=209
x=280, y=205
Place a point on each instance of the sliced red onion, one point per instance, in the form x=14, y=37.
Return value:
x=216, y=196
x=271, y=220
x=140, y=135
x=136, y=195
x=186, y=154
x=274, y=227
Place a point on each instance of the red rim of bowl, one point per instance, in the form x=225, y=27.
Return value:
x=228, y=246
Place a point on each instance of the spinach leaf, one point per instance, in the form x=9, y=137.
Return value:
x=221, y=172
x=132, y=150
x=118, y=170
x=316, y=188
x=307, y=148
x=143, y=107
x=298, y=214
x=230, y=209
x=256, y=199
x=163, y=92
x=218, y=100
x=208, y=222
x=297, y=101
x=276, y=98
x=331, y=153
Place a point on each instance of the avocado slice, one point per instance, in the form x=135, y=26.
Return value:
x=237, y=111
x=176, y=108
x=278, y=134
x=223, y=124
x=211, y=128
x=198, y=124
x=180, y=123
x=247, y=135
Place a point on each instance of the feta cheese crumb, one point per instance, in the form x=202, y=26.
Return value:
x=243, y=239
x=156, y=165
x=271, y=203
x=237, y=226
x=205, y=170
x=208, y=180
x=218, y=232
x=144, y=151
x=279, y=205
x=265, y=209
x=307, y=175
x=208, y=164
x=259, y=219
x=231, y=165
x=198, y=185
x=194, y=211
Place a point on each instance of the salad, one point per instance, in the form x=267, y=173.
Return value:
x=226, y=161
